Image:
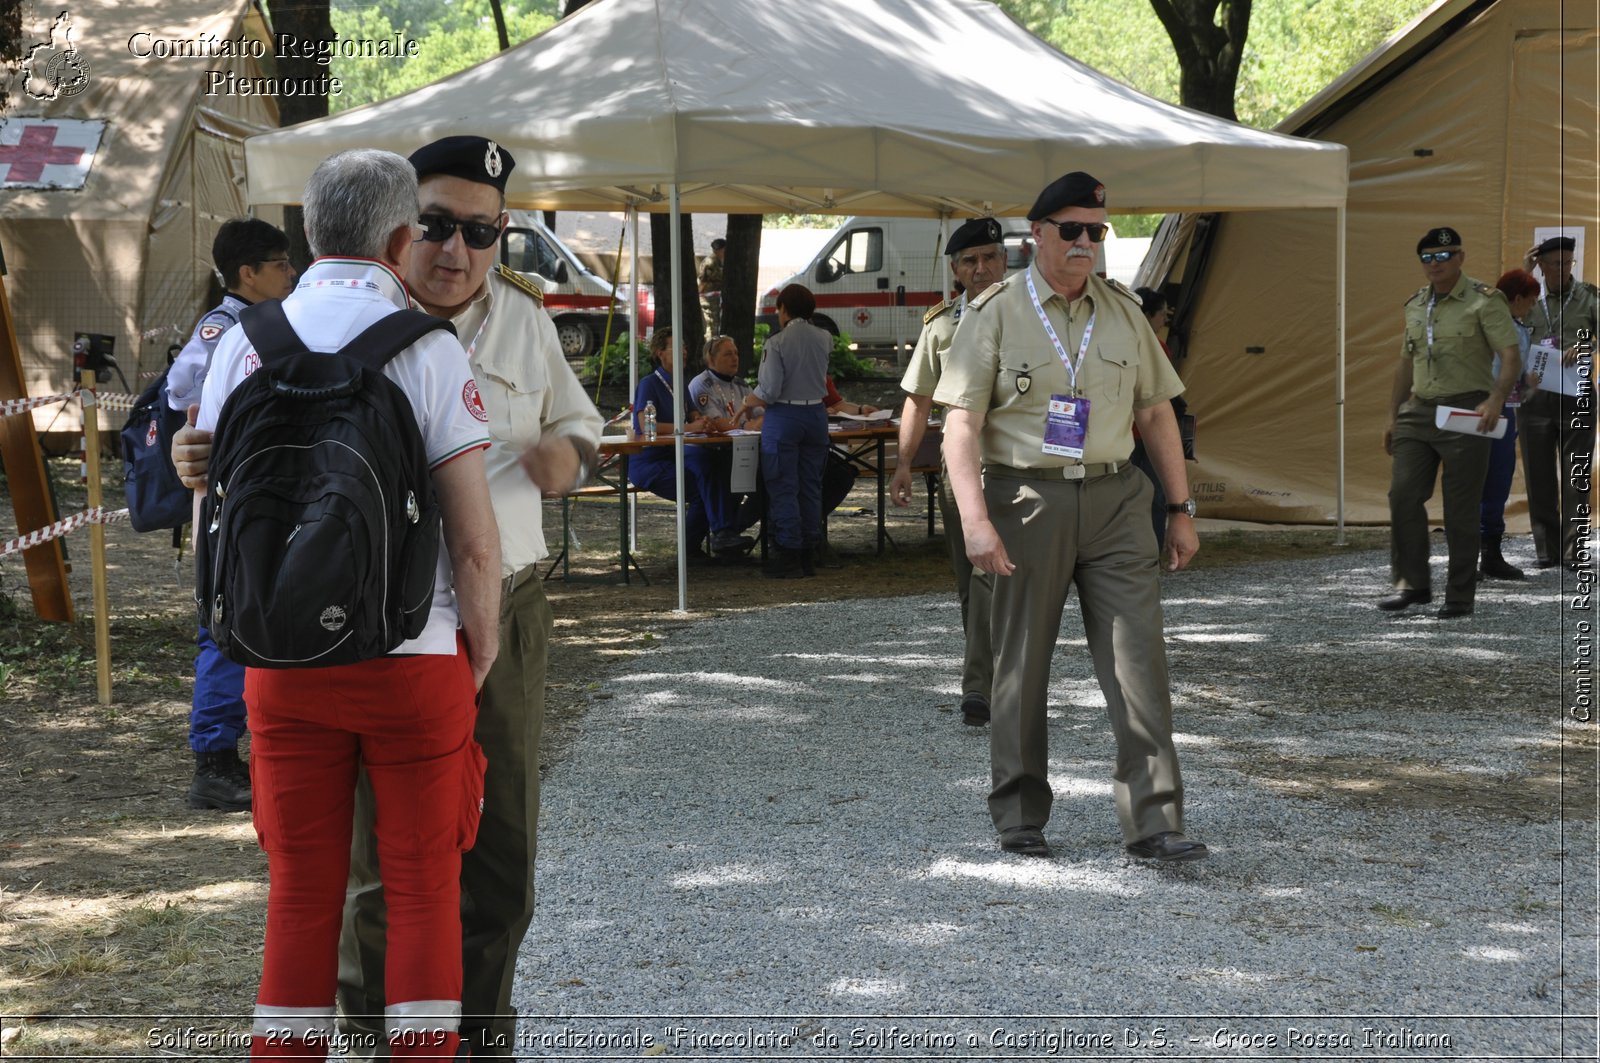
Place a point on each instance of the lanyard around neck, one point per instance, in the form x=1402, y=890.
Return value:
x=1050, y=330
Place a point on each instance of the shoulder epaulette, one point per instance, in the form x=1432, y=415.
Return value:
x=1118, y=286
x=935, y=311
x=988, y=293
x=511, y=276
x=1418, y=294
x=1482, y=288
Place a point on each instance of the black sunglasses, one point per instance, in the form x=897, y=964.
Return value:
x=1430, y=257
x=1070, y=229
x=437, y=228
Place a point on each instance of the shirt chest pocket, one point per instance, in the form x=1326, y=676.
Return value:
x=1109, y=375
x=1452, y=334
x=1020, y=383
x=515, y=403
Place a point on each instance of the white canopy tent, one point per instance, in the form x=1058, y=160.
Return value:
x=903, y=107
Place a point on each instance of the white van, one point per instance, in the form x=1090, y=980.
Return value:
x=875, y=278
x=577, y=300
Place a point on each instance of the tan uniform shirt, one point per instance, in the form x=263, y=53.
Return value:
x=1002, y=363
x=1470, y=324
x=1566, y=314
x=927, y=359
x=529, y=391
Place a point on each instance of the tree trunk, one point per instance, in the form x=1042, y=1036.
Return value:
x=308, y=20
x=10, y=50
x=692, y=330
x=741, y=259
x=1208, y=54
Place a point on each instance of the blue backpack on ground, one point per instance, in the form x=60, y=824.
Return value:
x=319, y=530
x=157, y=499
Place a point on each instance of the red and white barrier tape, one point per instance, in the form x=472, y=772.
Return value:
x=98, y=515
x=107, y=400
x=11, y=406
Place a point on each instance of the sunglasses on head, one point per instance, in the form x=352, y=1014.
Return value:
x=1430, y=257
x=437, y=228
x=1070, y=229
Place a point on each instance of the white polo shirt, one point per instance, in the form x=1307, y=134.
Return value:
x=336, y=299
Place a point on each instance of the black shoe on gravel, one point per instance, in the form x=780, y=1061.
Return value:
x=221, y=781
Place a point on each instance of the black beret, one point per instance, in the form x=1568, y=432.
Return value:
x=1076, y=189
x=974, y=232
x=470, y=158
x=1443, y=236
x=1557, y=243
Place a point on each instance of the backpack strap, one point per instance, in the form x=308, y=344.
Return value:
x=273, y=337
x=380, y=341
x=269, y=330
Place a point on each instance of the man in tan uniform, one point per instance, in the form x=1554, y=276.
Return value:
x=1454, y=327
x=1048, y=372
x=1557, y=430
x=977, y=256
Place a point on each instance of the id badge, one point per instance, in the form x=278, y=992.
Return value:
x=1066, y=423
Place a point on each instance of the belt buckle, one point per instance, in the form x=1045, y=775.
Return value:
x=1074, y=472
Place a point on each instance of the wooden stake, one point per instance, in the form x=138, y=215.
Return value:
x=97, y=539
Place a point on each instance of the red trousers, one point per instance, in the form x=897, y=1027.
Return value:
x=409, y=721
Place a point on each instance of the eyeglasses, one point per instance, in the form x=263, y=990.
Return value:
x=1070, y=230
x=281, y=263
x=437, y=228
x=1430, y=257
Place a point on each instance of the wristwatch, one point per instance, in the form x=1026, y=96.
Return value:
x=1186, y=507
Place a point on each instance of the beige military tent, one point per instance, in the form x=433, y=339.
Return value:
x=118, y=160
x=1479, y=115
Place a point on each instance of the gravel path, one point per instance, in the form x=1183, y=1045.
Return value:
x=770, y=835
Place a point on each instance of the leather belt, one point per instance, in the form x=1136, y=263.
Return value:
x=798, y=402
x=1057, y=472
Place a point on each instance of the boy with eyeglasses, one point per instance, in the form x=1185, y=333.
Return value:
x=1454, y=328
x=1047, y=374
x=252, y=257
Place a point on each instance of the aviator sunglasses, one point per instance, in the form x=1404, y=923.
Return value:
x=1430, y=257
x=437, y=228
x=1070, y=229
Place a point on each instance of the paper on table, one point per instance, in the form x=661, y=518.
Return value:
x=1455, y=419
x=1553, y=376
x=881, y=415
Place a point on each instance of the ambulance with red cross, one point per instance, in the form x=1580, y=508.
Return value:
x=875, y=278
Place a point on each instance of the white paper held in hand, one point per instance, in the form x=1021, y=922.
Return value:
x=1545, y=360
x=1455, y=419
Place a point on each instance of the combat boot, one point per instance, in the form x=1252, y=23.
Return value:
x=1493, y=566
x=221, y=781
x=784, y=564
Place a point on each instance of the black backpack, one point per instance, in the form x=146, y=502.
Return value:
x=320, y=532
x=157, y=499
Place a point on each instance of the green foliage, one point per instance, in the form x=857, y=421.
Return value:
x=843, y=363
x=1295, y=47
x=450, y=36
x=615, y=360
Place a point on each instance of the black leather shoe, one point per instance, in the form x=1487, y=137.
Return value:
x=974, y=710
x=1405, y=599
x=1169, y=845
x=1451, y=610
x=1545, y=562
x=1027, y=841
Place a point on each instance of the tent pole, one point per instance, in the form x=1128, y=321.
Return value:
x=1339, y=309
x=677, y=396
x=631, y=500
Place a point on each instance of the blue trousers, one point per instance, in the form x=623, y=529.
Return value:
x=1497, y=484
x=709, y=504
x=794, y=450
x=217, y=718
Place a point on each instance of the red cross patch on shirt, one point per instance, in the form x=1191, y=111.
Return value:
x=474, y=404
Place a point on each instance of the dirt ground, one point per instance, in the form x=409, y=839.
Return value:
x=119, y=904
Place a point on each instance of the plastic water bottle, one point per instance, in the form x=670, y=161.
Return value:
x=647, y=422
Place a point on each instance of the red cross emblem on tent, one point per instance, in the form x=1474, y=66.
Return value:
x=863, y=318
x=47, y=153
